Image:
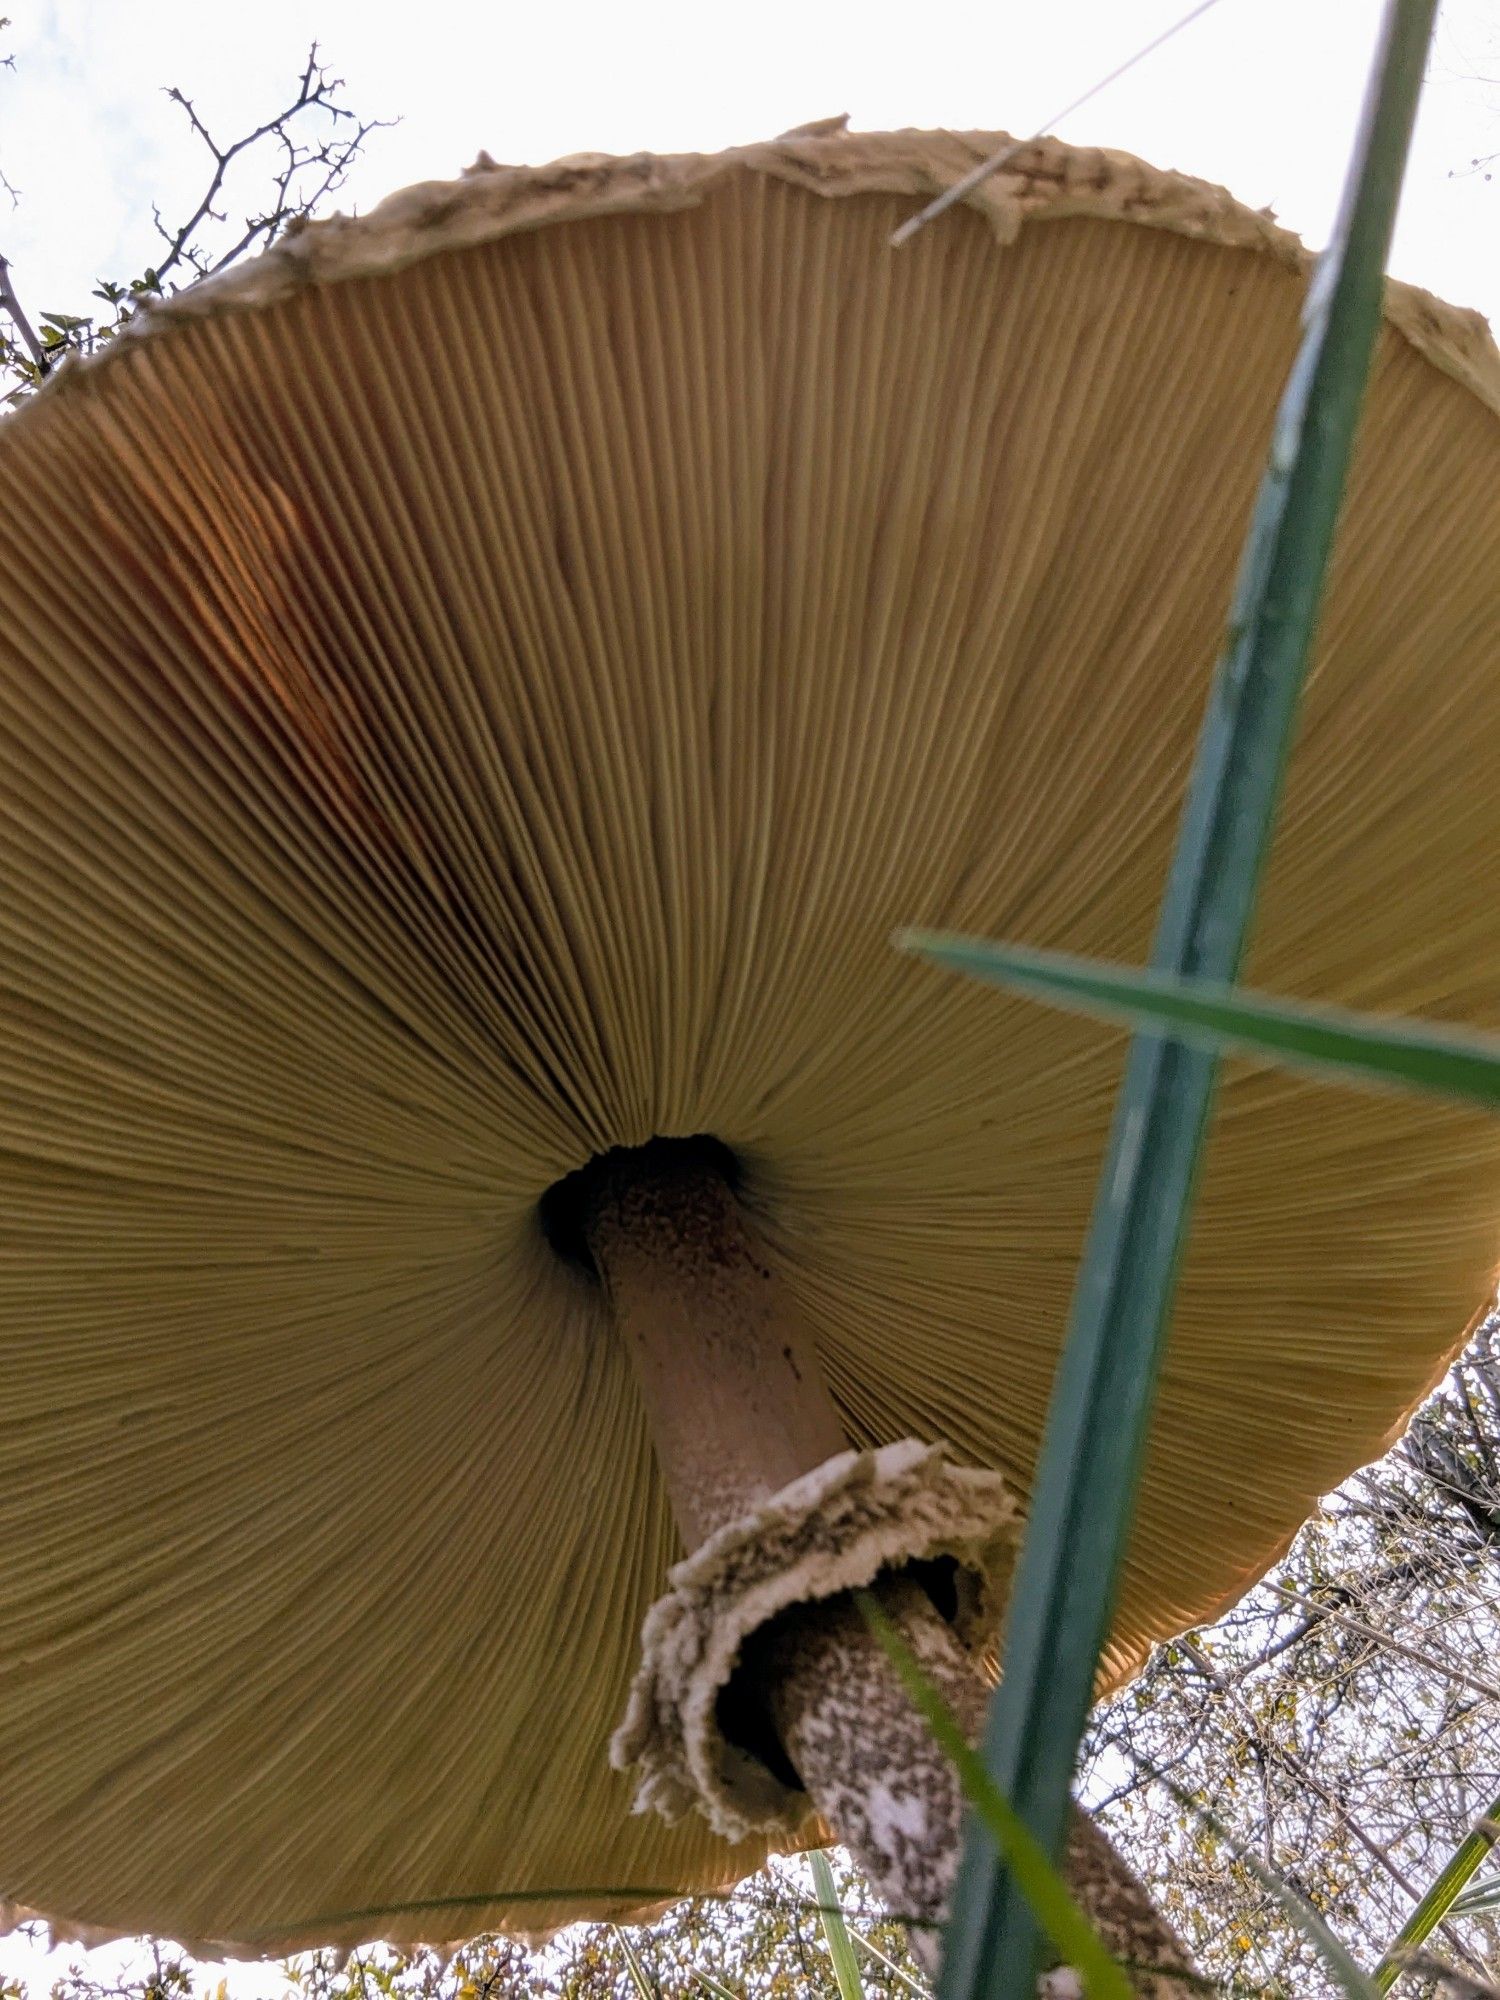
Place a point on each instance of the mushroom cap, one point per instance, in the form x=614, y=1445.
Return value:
x=480, y=686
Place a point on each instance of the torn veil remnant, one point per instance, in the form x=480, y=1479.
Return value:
x=510, y=664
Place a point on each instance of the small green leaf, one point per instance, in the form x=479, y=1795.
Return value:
x=1383, y=1051
x=835, y=1930
x=1071, y=1933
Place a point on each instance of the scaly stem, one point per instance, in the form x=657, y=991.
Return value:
x=728, y=1371
x=738, y=1408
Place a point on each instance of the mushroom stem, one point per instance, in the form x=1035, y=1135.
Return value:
x=734, y=1393
x=876, y=1774
x=862, y=1751
x=738, y=1409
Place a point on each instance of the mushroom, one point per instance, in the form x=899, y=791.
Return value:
x=480, y=687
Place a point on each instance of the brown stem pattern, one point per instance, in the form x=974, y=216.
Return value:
x=738, y=1407
x=870, y=1764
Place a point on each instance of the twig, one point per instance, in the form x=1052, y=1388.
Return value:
x=1295, y=1766
x=1477, y=1430
x=17, y=317
x=996, y=161
x=1454, y=1984
x=316, y=90
x=304, y=173
x=1415, y=1653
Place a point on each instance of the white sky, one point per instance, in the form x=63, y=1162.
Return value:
x=1260, y=94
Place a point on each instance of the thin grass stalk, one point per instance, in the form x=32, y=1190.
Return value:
x=1299, y=1913
x=1483, y=1900
x=1089, y=1471
x=1439, y=1900
x=711, y=1985
x=872, y=1950
x=644, y=1985
x=835, y=1930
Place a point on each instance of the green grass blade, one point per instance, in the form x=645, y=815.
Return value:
x=835, y=1930
x=1085, y=1485
x=1070, y=1931
x=1371, y=1049
x=644, y=1986
x=265, y=1937
x=1483, y=1900
x=1441, y=1899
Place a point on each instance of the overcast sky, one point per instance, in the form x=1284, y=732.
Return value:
x=1260, y=94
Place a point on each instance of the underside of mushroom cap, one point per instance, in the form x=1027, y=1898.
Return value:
x=479, y=689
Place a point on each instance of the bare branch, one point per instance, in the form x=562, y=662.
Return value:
x=1414, y=1653
x=1454, y=1985
x=12, y=308
x=308, y=148
x=317, y=92
x=1297, y=1768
